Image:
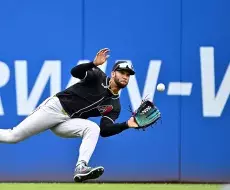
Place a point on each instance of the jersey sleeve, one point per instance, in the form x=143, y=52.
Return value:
x=85, y=71
x=108, y=125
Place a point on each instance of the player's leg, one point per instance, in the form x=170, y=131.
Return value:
x=89, y=131
x=47, y=115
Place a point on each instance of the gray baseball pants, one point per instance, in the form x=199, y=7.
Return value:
x=50, y=115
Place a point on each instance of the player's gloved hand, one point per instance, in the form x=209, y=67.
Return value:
x=146, y=115
x=131, y=123
x=101, y=56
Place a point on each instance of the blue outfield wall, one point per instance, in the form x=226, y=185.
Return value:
x=181, y=43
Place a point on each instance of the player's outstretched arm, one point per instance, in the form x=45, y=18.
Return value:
x=109, y=128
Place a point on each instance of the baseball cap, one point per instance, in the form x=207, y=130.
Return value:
x=124, y=65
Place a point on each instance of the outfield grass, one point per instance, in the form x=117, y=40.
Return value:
x=101, y=186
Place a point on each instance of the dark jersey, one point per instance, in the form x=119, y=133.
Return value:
x=91, y=98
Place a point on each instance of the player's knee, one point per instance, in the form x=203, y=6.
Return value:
x=13, y=139
x=95, y=129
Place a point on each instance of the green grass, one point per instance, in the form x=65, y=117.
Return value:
x=101, y=186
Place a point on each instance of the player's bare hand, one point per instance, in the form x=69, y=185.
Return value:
x=101, y=56
x=131, y=123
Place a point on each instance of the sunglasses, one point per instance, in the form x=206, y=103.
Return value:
x=125, y=65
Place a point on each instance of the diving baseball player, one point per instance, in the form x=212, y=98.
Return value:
x=67, y=113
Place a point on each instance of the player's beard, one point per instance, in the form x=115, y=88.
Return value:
x=118, y=83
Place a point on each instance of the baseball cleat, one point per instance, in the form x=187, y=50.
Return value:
x=84, y=172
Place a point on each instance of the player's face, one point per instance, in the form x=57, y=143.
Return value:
x=121, y=78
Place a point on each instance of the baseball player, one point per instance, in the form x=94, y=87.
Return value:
x=66, y=114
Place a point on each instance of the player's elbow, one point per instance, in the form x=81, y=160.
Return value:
x=74, y=71
x=104, y=133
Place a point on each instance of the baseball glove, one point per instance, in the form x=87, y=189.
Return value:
x=146, y=115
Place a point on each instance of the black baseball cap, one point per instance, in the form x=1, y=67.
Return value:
x=124, y=65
